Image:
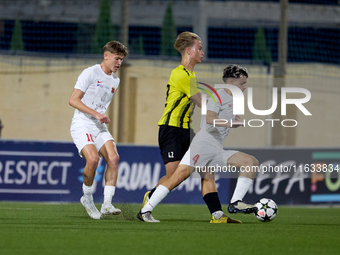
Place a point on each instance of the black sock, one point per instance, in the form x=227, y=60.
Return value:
x=213, y=202
x=151, y=192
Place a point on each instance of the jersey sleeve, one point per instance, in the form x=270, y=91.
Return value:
x=212, y=106
x=190, y=86
x=84, y=80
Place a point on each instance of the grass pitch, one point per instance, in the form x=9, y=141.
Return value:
x=37, y=228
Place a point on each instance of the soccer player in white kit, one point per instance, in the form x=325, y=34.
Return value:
x=206, y=149
x=91, y=96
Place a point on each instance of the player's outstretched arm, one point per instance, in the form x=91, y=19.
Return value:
x=75, y=101
x=213, y=119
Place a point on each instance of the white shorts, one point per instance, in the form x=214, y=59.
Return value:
x=220, y=159
x=206, y=151
x=84, y=134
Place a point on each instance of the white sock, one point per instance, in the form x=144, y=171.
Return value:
x=242, y=187
x=217, y=214
x=109, y=192
x=160, y=193
x=87, y=190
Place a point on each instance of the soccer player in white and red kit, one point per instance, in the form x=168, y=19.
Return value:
x=91, y=96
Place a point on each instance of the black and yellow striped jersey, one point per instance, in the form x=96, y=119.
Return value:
x=178, y=106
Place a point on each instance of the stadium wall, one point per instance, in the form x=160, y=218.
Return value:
x=34, y=95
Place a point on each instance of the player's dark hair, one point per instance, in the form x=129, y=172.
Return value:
x=116, y=47
x=185, y=40
x=234, y=71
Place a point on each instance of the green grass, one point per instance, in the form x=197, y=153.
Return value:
x=37, y=228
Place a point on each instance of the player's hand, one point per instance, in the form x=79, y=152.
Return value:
x=238, y=118
x=103, y=118
x=236, y=124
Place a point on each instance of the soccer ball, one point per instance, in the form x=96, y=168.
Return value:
x=266, y=210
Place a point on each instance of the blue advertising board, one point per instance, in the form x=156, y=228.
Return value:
x=52, y=171
x=312, y=176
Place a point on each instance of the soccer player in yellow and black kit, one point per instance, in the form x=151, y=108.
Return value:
x=175, y=127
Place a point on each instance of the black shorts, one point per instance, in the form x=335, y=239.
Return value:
x=174, y=142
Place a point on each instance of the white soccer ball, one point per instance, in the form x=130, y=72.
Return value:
x=266, y=209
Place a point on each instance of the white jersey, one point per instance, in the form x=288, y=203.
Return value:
x=224, y=111
x=99, y=88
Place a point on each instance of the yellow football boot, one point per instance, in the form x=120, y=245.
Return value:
x=224, y=219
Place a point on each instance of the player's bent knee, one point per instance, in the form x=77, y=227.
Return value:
x=251, y=161
x=92, y=161
x=113, y=160
x=255, y=162
x=170, y=168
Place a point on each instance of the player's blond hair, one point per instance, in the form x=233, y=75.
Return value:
x=116, y=47
x=185, y=40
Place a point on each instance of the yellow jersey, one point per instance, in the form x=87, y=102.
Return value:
x=178, y=106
